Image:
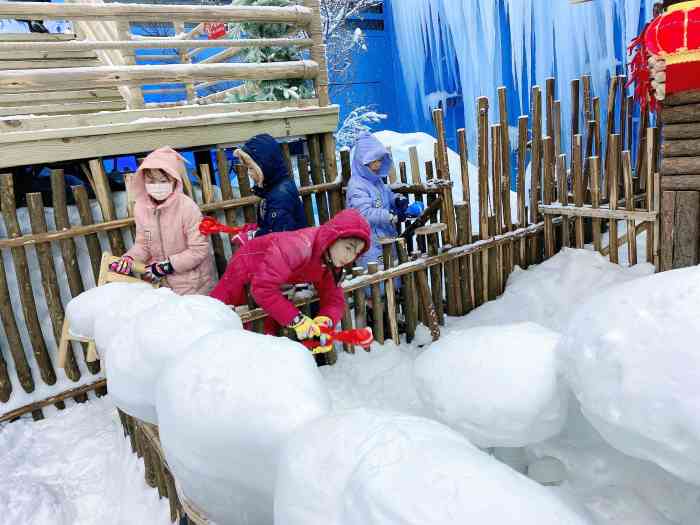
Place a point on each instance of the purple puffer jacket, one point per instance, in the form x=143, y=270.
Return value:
x=368, y=194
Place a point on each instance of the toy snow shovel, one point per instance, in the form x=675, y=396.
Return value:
x=209, y=226
x=357, y=337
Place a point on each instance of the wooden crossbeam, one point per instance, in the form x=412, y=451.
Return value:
x=154, y=43
x=596, y=213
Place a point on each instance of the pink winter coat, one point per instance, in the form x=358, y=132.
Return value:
x=276, y=259
x=170, y=229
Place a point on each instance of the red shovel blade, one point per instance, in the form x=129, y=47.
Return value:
x=357, y=336
x=209, y=226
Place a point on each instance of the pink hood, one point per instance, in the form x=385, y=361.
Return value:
x=166, y=159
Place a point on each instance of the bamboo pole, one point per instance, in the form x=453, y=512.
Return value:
x=621, y=81
x=466, y=272
x=377, y=306
x=305, y=180
x=596, y=117
x=410, y=294
x=330, y=170
x=464, y=165
x=346, y=324
x=505, y=159
x=549, y=85
x=575, y=111
x=216, y=241
x=563, y=197
x=49, y=281
x=317, y=177
x=613, y=164
x=594, y=162
x=522, y=210
x=19, y=257
x=577, y=170
x=612, y=94
x=222, y=165
x=104, y=199
x=630, y=110
x=390, y=290
x=548, y=172
x=496, y=184
x=483, y=159
x=629, y=206
x=536, y=170
x=441, y=157
x=360, y=300
x=587, y=98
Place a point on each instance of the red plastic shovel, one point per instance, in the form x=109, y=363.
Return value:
x=357, y=337
x=209, y=226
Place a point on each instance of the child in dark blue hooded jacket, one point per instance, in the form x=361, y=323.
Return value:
x=281, y=208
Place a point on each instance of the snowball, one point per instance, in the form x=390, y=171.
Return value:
x=548, y=293
x=499, y=387
x=367, y=467
x=83, y=310
x=165, y=327
x=632, y=360
x=224, y=412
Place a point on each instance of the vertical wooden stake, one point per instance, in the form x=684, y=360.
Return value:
x=536, y=171
x=305, y=180
x=522, y=210
x=610, y=120
x=377, y=306
x=563, y=195
x=483, y=157
x=629, y=206
x=577, y=170
x=548, y=171
x=410, y=295
x=594, y=162
x=613, y=164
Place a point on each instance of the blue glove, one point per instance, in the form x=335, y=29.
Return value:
x=399, y=208
x=415, y=210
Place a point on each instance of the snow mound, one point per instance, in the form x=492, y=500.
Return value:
x=225, y=411
x=29, y=501
x=548, y=294
x=632, y=360
x=499, y=387
x=366, y=467
x=83, y=310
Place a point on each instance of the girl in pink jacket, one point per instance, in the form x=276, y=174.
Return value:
x=168, y=240
x=310, y=255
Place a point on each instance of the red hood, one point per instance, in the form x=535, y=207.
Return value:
x=347, y=223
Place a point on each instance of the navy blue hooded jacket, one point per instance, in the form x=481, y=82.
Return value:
x=281, y=208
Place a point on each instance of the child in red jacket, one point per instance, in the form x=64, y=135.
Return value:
x=311, y=255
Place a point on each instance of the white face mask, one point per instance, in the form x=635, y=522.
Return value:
x=160, y=190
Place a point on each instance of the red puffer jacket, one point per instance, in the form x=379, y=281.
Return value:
x=268, y=262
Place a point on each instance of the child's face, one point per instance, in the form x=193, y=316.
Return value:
x=159, y=185
x=344, y=251
x=375, y=165
x=254, y=171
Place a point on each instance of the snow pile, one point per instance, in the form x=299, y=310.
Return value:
x=82, y=311
x=367, y=467
x=498, y=387
x=225, y=411
x=631, y=358
x=549, y=293
x=400, y=143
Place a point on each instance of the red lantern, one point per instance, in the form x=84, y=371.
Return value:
x=673, y=36
x=215, y=30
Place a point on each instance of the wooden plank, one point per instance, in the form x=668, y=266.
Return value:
x=62, y=108
x=680, y=183
x=549, y=86
x=668, y=207
x=557, y=127
x=13, y=51
x=156, y=12
x=360, y=300
x=689, y=113
x=683, y=98
x=681, y=148
x=680, y=166
x=483, y=160
x=37, y=37
x=377, y=306
x=575, y=112
x=58, y=79
x=19, y=257
x=600, y=213
x=682, y=131
x=686, y=229
x=17, y=99
x=505, y=159
x=20, y=65
x=390, y=290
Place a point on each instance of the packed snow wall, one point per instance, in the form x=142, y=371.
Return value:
x=449, y=52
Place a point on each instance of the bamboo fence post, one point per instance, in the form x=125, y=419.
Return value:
x=439, y=121
x=330, y=169
x=630, y=110
x=587, y=155
x=587, y=98
x=249, y=212
x=577, y=170
x=641, y=165
x=19, y=257
x=360, y=300
x=390, y=290
x=317, y=177
x=377, y=306
x=5, y=383
x=464, y=165
x=549, y=236
x=346, y=324
x=575, y=111
x=613, y=165
x=549, y=105
x=19, y=358
x=225, y=184
x=621, y=81
x=465, y=270
x=496, y=183
x=650, y=191
x=431, y=235
x=216, y=240
x=420, y=307
x=93, y=243
x=522, y=198
x=68, y=249
x=612, y=94
x=483, y=157
x=629, y=206
x=536, y=170
x=563, y=194
x=557, y=127
x=415, y=170
x=345, y=166
x=104, y=197
x=657, y=223
x=505, y=159
x=410, y=302
x=304, y=180
x=594, y=162
x=597, y=141
x=49, y=281
x=429, y=313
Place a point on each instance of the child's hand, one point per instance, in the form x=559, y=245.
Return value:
x=124, y=265
x=323, y=321
x=305, y=327
x=157, y=270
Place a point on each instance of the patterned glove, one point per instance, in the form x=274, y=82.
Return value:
x=157, y=270
x=325, y=345
x=124, y=266
x=304, y=327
